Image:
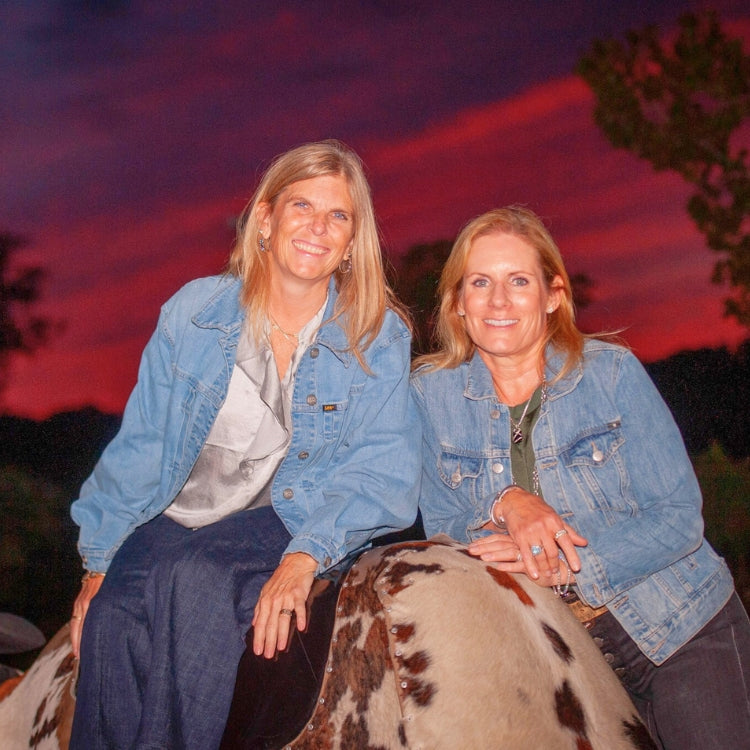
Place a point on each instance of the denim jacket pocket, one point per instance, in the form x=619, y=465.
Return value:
x=454, y=468
x=594, y=462
x=333, y=418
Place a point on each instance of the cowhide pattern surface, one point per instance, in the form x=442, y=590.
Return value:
x=431, y=649
x=435, y=649
x=36, y=710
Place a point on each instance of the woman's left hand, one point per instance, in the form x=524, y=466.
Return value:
x=501, y=550
x=283, y=597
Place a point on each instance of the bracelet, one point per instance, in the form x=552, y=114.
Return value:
x=89, y=574
x=558, y=588
x=498, y=519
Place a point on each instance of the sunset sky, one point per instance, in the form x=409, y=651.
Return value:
x=133, y=133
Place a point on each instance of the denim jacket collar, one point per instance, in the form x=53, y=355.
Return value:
x=479, y=383
x=221, y=312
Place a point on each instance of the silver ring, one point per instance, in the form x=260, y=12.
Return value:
x=288, y=612
x=536, y=549
x=561, y=532
x=75, y=617
x=519, y=557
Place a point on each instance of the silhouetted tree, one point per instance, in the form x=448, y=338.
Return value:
x=21, y=331
x=708, y=391
x=677, y=105
x=416, y=285
x=39, y=566
x=725, y=484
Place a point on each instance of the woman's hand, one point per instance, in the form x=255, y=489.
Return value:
x=89, y=589
x=501, y=550
x=283, y=596
x=534, y=526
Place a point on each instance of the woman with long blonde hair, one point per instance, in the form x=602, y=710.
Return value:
x=268, y=439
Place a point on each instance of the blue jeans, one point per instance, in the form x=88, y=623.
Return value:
x=163, y=637
x=699, y=698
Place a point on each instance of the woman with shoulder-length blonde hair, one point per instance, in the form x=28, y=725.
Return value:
x=454, y=343
x=551, y=453
x=270, y=438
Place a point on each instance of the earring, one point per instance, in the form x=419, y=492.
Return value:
x=345, y=266
x=262, y=243
x=460, y=314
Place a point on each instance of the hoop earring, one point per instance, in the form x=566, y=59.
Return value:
x=262, y=243
x=345, y=266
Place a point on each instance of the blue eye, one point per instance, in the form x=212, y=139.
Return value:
x=520, y=281
x=480, y=282
x=341, y=215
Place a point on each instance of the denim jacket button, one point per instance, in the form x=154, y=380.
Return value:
x=314, y=352
x=497, y=468
x=288, y=493
x=495, y=414
x=456, y=477
x=312, y=400
x=597, y=455
x=302, y=455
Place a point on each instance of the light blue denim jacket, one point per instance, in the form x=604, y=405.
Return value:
x=611, y=462
x=353, y=464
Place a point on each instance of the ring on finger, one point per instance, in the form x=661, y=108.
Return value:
x=519, y=557
x=287, y=612
x=536, y=549
x=561, y=532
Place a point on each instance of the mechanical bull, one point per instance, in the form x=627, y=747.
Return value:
x=428, y=648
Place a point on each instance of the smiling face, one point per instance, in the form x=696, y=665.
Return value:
x=505, y=300
x=309, y=231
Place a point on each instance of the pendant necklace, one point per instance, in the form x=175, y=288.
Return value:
x=516, y=434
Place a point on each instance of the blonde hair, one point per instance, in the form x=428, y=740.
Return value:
x=454, y=343
x=363, y=291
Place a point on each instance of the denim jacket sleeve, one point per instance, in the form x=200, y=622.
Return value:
x=369, y=483
x=117, y=496
x=445, y=508
x=654, y=517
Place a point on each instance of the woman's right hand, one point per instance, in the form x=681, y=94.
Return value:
x=532, y=523
x=89, y=587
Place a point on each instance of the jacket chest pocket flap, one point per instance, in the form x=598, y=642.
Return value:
x=596, y=448
x=453, y=468
x=596, y=466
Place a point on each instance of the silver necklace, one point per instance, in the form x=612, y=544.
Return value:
x=291, y=337
x=516, y=434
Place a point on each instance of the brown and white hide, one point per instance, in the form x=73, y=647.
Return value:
x=435, y=649
x=36, y=709
x=431, y=649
